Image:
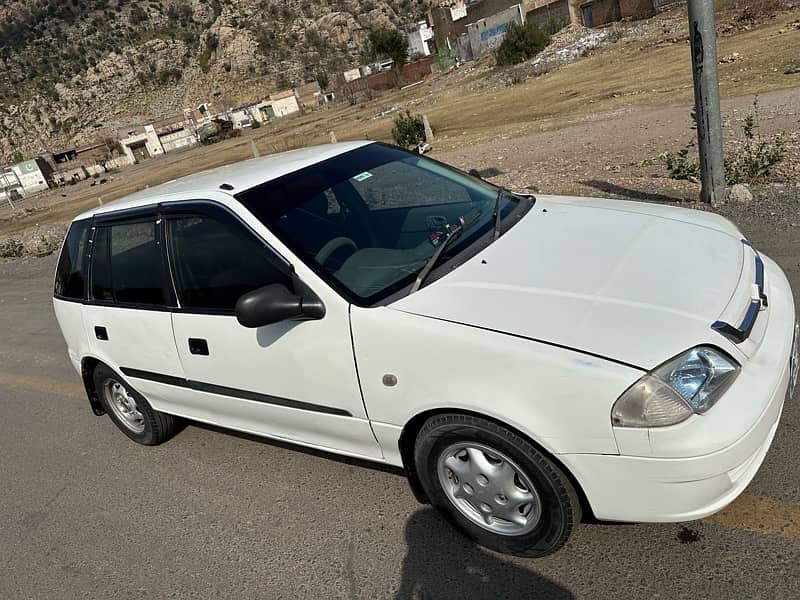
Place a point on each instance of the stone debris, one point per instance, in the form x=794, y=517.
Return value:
x=739, y=194
x=730, y=58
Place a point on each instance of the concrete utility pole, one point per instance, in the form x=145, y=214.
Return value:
x=703, y=41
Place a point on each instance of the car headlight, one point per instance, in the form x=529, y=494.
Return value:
x=688, y=384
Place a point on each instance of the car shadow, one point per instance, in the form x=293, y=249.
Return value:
x=441, y=564
x=631, y=194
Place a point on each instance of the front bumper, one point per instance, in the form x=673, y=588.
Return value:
x=658, y=489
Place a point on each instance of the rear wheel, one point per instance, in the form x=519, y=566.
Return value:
x=129, y=410
x=495, y=486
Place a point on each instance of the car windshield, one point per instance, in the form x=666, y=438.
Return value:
x=368, y=220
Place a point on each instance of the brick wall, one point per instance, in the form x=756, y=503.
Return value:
x=411, y=73
x=552, y=13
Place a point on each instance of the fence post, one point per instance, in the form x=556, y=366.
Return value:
x=428, y=130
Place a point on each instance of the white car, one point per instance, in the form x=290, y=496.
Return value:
x=523, y=359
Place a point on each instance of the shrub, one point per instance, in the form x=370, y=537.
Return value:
x=756, y=158
x=11, y=248
x=521, y=43
x=679, y=165
x=408, y=130
x=748, y=162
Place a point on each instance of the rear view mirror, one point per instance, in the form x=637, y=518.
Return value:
x=275, y=303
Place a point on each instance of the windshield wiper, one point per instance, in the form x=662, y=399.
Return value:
x=496, y=230
x=434, y=258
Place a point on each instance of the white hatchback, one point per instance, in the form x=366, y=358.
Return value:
x=523, y=359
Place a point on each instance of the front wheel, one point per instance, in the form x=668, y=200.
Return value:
x=495, y=486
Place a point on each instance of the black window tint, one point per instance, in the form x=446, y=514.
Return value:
x=136, y=268
x=71, y=275
x=101, y=266
x=216, y=263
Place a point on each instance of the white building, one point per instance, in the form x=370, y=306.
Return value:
x=352, y=75
x=420, y=40
x=139, y=146
x=458, y=10
x=284, y=103
x=24, y=179
x=245, y=116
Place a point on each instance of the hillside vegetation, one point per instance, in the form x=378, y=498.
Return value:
x=72, y=66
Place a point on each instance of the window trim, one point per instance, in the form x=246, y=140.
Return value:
x=162, y=211
x=220, y=213
x=145, y=214
x=84, y=261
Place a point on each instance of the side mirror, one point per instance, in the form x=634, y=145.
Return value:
x=274, y=303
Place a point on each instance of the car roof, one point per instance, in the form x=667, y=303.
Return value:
x=236, y=177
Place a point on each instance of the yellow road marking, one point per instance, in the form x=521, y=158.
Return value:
x=42, y=384
x=761, y=515
x=750, y=513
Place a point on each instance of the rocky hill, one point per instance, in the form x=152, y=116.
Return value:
x=73, y=68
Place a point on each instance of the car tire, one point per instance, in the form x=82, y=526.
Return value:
x=130, y=411
x=495, y=486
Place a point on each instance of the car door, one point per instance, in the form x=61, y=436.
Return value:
x=127, y=316
x=294, y=380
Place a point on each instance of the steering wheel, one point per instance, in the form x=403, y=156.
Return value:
x=332, y=246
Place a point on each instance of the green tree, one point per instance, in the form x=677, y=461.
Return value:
x=322, y=80
x=389, y=43
x=521, y=43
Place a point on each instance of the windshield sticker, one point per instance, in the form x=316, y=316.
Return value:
x=362, y=176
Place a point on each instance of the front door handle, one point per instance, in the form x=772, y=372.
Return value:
x=198, y=346
x=101, y=333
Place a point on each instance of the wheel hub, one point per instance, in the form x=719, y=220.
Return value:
x=488, y=488
x=123, y=405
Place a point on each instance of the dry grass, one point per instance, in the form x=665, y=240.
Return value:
x=637, y=73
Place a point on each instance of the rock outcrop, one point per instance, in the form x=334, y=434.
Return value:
x=76, y=71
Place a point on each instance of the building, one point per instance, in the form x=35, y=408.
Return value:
x=141, y=144
x=309, y=95
x=282, y=104
x=410, y=73
x=452, y=17
x=484, y=35
x=25, y=178
x=420, y=40
x=594, y=13
x=252, y=112
x=175, y=132
x=71, y=165
x=549, y=15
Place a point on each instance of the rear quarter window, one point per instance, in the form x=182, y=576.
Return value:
x=71, y=271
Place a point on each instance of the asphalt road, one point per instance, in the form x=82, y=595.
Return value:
x=85, y=513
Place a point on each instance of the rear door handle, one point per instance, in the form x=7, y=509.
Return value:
x=100, y=333
x=198, y=346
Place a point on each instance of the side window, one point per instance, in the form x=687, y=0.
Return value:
x=101, y=266
x=126, y=264
x=216, y=263
x=316, y=221
x=70, y=274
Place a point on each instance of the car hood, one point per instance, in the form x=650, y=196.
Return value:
x=631, y=282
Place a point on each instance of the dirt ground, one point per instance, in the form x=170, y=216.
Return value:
x=591, y=126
